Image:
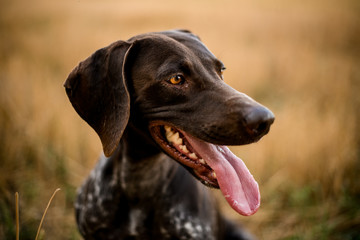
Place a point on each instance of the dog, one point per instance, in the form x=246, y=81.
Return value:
x=164, y=116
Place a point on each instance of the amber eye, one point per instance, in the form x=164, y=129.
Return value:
x=222, y=71
x=177, y=79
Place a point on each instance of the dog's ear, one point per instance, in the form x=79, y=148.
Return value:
x=98, y=92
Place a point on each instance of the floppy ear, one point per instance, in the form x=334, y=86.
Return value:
x=97, y=90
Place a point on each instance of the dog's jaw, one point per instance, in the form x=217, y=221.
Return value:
x=173, y=142
x=214, y=165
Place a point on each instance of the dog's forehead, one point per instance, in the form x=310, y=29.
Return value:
x=193, y=43
x=176, y=43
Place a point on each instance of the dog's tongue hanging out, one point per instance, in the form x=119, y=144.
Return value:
x=236, y=182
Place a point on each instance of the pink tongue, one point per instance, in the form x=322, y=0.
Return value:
x=236, y=182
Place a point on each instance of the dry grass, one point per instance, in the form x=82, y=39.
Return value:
x=299, y=58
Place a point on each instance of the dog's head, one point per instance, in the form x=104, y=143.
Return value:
x=170, y=84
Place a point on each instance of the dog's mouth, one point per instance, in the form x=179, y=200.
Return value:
x=214, y=165
x=177, y=146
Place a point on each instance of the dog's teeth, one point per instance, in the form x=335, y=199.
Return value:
x=173, y=137
x=167, y=128
x=176, y=139
x=184, y=149
x=193, y=156
x=169, y=135
x=213, y=174
x=202, y=161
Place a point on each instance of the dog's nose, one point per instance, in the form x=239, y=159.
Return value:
x=258, y=121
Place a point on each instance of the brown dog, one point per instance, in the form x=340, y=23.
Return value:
x=163, y=93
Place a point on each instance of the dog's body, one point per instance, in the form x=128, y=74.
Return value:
x=154, y=198
x=138, y=95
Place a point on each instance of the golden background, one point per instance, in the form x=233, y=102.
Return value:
x=300, y=58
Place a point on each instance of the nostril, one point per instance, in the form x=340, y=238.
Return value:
x=262, y=127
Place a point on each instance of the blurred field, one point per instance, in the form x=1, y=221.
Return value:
x=299, y=58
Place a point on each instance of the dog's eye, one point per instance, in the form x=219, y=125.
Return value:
x=222, y=72
x=177, y=79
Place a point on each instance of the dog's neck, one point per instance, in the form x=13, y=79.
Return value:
x=143, y=167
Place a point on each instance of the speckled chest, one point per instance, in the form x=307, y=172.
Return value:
x=174, y=224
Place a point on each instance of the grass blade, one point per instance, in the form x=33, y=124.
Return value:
x=17, y=215
x=47, y=207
